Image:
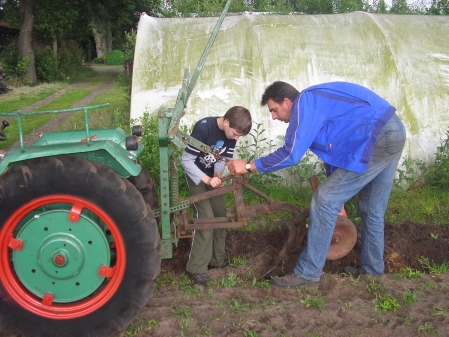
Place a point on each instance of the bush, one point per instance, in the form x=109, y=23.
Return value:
x=46, y=66
x=129, y=45
x=438, y=172
x=99, y=60
x=70, y=61
x=115, y=57
x=9, y=57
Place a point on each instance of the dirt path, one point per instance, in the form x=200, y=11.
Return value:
x=57, y=120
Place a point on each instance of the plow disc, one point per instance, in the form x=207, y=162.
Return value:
x=343, y=239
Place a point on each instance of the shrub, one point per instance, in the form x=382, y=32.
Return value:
x=115, y=57
x=438, y=172
x=70, y=62
x=46, y=66
x=9, y=57
x=99, y=60
x=129, y=45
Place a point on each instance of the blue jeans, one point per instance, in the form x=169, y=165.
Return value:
x=374, y=187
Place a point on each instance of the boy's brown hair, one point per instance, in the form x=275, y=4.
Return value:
x=239, y=119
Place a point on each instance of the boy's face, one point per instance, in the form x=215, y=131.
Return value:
x=230, y=132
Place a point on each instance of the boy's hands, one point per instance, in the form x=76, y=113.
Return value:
x=215, y=182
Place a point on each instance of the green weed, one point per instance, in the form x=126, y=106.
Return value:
x=239, y=261
x=374, y=287
x=410, y=273
x=439, y=311
x=310, y=301
x=249, y=333
x=183, y=313
x=230, y=280
x=237, y=305
x=428, y=329
x=433, y=267
x=409, y=297
x=386, y=303
x=136, y=328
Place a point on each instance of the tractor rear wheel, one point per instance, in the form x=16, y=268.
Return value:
x=79, y=249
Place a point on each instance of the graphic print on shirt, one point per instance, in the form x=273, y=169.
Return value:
x=209, y=159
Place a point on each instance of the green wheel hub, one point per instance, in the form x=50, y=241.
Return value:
x=61, y=257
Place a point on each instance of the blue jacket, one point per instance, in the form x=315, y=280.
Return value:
x=337, y=121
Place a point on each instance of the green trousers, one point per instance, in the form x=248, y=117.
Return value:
x=208, y=245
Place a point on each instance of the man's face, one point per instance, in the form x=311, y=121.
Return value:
x=280, y=111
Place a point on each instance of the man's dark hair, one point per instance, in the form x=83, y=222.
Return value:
x=278, y=91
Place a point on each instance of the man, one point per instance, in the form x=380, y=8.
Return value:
x=360, y=138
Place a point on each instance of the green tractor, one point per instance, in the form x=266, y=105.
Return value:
x=82, y=231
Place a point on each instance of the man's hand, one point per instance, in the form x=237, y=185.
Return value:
x=237, y=166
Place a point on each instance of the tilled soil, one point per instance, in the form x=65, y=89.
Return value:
x=350, y=306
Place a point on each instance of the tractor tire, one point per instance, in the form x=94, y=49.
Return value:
x=79, y=249
x=146, y=187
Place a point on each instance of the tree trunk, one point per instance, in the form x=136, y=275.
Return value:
x=25, y=36
x=108, y=39
x=100, y=38
x=55, y=46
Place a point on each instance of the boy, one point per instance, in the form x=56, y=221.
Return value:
x=204, y=174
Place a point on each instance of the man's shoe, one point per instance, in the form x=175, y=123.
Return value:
x=352, y=271
x=199, y=278
x=224, y=265
x=293, y=280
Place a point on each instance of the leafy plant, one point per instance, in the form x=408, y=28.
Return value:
x=99, y=60
x=410, y=174
x=410, y=273
x=310, y=301
x=231, y=280
x=386, y=303
x=437, y=173
x=256, y=146
x=46, y=66
x=115, y=57
x=239, y=260
x=70, y=62
x=129, y=45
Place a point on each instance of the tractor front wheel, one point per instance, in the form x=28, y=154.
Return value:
x=79, y=249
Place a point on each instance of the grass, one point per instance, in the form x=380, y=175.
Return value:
x=31, y=123
x=434, y=268
x=23, y=96
x=116, y=114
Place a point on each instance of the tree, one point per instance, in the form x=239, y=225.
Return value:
x=379, y=6
x=439, y=7
x=400, y=7
x=315, y=6
x=344, y=6
x=25, y=48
